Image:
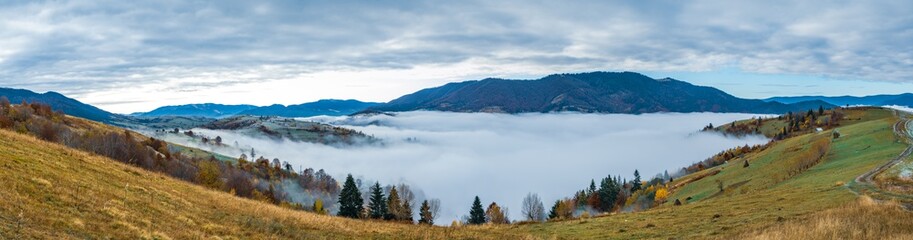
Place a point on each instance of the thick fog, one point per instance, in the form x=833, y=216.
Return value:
x=901, y=108
x=501, y=157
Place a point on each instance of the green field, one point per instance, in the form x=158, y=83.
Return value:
x=755, y=197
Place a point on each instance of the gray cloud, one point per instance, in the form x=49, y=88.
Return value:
x=105, y=45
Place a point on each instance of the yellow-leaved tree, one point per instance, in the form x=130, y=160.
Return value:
x=661, y=194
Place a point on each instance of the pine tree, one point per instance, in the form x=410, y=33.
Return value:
x=592, y=186
x=407, y=211
x=394, y=209
x=378, y=203
x=637, y=182
x=608, y=193
x=425, y=214
x=476, y=213
x=350, y=202
x=553, y=214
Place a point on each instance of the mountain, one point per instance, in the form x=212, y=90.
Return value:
x=61, y=103
x=210, y=110
x=905, y=99
x=604, y=92
x=330, y=107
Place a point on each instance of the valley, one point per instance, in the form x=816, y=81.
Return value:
x=96, y=196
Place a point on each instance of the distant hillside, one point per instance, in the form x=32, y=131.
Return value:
x=604, y=92
x=59, y=102
x=905, y=99
x=329, y=107
x=209, y=110
x=288, y=128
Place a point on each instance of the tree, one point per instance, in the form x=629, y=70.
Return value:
x=218, y=140
x=533, y=210
x=378, y=203
x=425, y=214
x=636, y=185
x=318, y=207
x=592, y=189
x=407, y=197
x=496, y=215
x=406, y=211
x=435, y=208
x=476, y=213
x=394, y=207
x=4, y=104
x=208, y=175
x=661, y=195
x=608, y=193
x=820, y=110
x=553, y=213
x=350, y=201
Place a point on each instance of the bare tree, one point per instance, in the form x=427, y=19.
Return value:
x=533, y=210
x=435, y=208
x=406, y=194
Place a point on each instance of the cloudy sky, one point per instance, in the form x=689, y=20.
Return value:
x=127, y=56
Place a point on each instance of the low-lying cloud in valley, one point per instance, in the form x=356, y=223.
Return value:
x=501, y=157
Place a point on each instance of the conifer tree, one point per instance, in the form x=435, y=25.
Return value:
x=476, y=213
x=425, y=214
x=350, y=202
x=406, y=211
x=378, y=203
x=637, y=182
x=608, y=193
x=553, y=213
x=394, y=209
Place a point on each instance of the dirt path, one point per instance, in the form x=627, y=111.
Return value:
x=867, y=180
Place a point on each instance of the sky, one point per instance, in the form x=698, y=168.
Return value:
x=129, y=56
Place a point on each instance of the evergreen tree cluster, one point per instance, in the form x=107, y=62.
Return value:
x=389, y=205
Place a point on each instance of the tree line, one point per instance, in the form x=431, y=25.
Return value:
x=391, y=203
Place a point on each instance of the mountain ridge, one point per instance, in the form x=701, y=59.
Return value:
x=60, y=102
x=211, y=110
x=602, y=92
x=329, y=107
x=903, y=99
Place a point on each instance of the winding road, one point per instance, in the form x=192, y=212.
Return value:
x=866, y=181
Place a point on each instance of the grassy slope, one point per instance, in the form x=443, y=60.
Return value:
x=862, y=219
x=755, y=197
x=67, y=194
x=63, y=193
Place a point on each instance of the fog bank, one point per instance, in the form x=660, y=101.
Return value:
x=501, y=157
